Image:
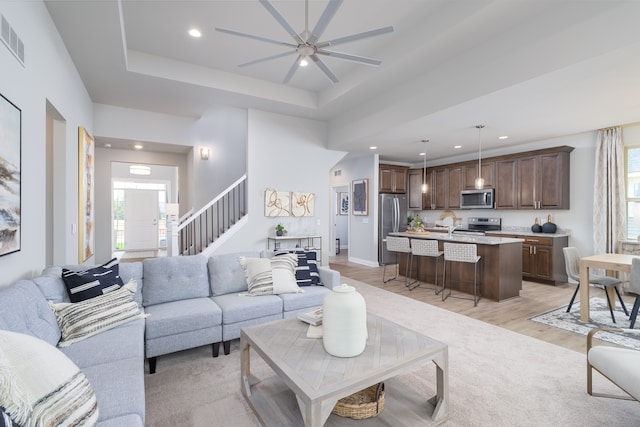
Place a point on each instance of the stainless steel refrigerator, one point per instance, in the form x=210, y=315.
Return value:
x=392, y=218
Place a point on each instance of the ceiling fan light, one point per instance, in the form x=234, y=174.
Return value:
x=304, y=62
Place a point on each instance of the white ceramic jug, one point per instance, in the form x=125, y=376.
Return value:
x=344, y=322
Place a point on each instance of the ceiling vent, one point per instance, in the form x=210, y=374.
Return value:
x=11, y=40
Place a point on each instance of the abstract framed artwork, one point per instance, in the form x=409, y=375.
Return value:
x=10, y=176
x=277, y=203
x=343, y=203
x=86, y=205
x=360, y=196
x=302, y=204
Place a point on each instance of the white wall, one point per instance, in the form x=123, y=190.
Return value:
x=363, y=231
x=287, y=154
x=48, y=75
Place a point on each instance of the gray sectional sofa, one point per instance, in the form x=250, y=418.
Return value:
x=188, y=301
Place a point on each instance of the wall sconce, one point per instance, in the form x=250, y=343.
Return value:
x=204, y=153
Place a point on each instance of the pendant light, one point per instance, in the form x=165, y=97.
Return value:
x=479, y=180
x=424, y=170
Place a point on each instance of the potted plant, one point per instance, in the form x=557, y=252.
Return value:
x=280, y=230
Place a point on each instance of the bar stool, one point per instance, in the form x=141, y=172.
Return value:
x=399, y=245
x=428, y=248
x=457, y=252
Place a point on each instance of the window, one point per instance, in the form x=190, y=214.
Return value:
x=632, y=178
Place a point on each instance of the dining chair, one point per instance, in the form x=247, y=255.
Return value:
x=634, y=288
x=572, y=266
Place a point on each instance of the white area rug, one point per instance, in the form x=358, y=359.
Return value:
x=497, y=377
x=600, y=316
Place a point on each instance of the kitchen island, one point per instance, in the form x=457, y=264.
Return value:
x=499, y=270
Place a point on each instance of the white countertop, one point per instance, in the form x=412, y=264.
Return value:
x=521, y=231
x=460, y=238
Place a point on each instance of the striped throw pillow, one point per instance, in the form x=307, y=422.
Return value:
x=307, y=273
x=41, y=386
x=81, y=320
x=82, y=285
x=270, y=276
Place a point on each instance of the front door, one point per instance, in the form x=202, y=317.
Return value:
x=140, y=220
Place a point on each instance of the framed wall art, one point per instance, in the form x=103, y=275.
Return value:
x=360, y=196
x=343, y=203
x=302, y=204
x=277, y=203
x=86, y=199
x=10, y=176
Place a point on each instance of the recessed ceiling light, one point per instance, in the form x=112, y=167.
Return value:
x=503, y=137
x=107, y=145
x=373, y=148
x=138, y=146
x=457, y=147
x=423, y=154
x=195, y=33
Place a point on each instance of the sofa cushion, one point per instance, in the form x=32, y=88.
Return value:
x=226, y=275
x=45, y=387
x=88, y=283
x=24, y=309
x=83, y=319
x=182, y=316
x=313, y=296
x=307, y=269
x=237, y=308
x=174, y=278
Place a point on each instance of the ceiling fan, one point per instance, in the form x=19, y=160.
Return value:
x=307, y=44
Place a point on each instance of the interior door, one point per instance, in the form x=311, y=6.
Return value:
x=140, y=220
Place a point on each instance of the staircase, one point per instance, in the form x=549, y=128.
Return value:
x=206, y=229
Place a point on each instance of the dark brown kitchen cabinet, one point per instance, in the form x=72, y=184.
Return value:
x=439, y=189
x=416, y=198
x=393, y=179
x=470, y=173
x=506, y=184
x=537, y=261
x=454, y=186
x=543, y=181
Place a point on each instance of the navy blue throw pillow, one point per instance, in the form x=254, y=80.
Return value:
x=307, y=270
x=82, y=285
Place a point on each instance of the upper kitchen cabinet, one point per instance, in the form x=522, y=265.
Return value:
x=506, y=184
x=454, y=184
x=418, y=200
x=544, y=179
x=393, y=179
x=470, y=173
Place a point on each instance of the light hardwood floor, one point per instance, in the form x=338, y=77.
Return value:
x=512, y=314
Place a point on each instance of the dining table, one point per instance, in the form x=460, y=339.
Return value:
x=610, y=262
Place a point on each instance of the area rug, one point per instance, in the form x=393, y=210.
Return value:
x=600, y=316
x=496, y=377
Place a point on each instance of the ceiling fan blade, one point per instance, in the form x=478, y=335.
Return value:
x=348, y=57
x=292, y=70
x=267, y=58
x=251, y=36
x=283, y=22
x=354, y=37
x=324, y=68
x=324, y=20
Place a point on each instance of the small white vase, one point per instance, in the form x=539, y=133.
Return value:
x=344, y=322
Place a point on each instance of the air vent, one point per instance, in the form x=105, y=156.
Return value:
x=11, y=40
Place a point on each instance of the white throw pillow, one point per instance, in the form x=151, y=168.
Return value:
x=271, y=276
x=41, y=386
x=80, y=320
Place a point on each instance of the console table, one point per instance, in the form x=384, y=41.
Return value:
x=309, y=239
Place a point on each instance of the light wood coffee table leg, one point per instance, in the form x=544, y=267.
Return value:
x=245, y=367
x=441, y=409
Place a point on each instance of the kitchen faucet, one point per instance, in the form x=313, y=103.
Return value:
x=451, y=228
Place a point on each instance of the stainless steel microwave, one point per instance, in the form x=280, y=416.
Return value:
x=477, y=199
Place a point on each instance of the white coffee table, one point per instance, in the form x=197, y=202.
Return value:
x=308, y=375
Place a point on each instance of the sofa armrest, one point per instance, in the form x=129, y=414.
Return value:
x=328, y=277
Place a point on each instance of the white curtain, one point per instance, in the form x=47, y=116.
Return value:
x=609, y=206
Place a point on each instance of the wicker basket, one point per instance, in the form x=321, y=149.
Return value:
x=366, y=403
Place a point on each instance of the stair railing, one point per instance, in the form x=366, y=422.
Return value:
x=193, y=235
